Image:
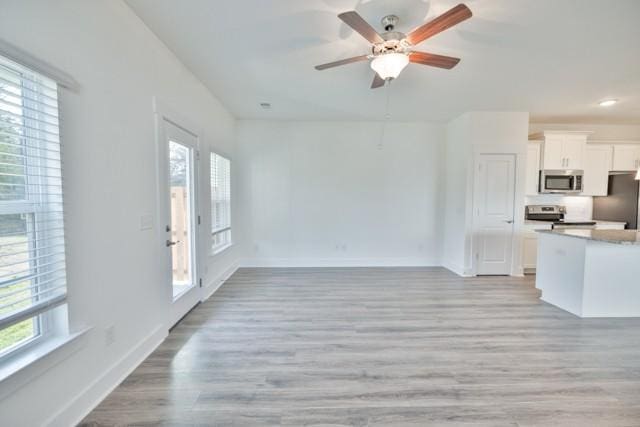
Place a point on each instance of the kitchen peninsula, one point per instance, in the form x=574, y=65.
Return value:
x=590, y=273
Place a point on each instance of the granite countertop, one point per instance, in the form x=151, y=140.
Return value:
x=621, y=237
x=538, y=225
x=610, y=222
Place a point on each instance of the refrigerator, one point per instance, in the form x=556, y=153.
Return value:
x=622, y=202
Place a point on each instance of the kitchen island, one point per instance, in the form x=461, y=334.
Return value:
x=590, y=273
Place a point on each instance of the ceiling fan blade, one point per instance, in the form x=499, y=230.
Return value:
x=361, y=26
x=342, y=62
x=433, y=60
x=377, y=81
x=448, y=19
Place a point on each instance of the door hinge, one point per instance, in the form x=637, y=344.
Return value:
x=197, y=155
x=198, y=219
x=200, y=281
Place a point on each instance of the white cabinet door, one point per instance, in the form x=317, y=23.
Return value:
x=533, y=168
x=573, y=149
x=626, y=157
x=529, y=250
x=596, y=170
x=553, y=153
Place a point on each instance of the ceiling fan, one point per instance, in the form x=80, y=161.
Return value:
x=391, y=51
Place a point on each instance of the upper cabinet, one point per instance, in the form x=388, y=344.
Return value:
x=626, y=157
x=564, y=150
x=574, y=151
x=553, y=153
x=597, y=164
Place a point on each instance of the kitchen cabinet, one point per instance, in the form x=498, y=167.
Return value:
x=564, y=150
x=597, y=164
x=533, y=168
x=529, y=250
x=574, y=151
x=530, y=241
x=626, y=157
x=553, y=153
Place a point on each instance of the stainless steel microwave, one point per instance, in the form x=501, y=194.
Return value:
x=561, y=181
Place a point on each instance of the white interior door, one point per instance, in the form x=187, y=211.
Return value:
x=178, y=174
x=494, y=194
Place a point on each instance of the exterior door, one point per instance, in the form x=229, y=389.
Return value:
x=178, y=217
x=493, y=221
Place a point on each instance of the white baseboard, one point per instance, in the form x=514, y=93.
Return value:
x=219, y=280
x=340, y=262
x=456, y=268
x=83, y=403
x=80, y=406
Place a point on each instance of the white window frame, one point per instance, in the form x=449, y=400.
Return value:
x=226, y=228
x=51, y=319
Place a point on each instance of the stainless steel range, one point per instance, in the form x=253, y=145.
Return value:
x=555, y=215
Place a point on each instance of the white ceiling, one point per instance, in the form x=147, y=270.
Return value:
x=553, y=58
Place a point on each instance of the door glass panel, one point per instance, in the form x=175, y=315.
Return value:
x=180, y=188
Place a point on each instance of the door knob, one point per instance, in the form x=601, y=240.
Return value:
x=170, y=243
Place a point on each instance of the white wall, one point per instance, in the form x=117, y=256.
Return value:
x=109, y=168
x=468, y=136
x=331, y=193
x=458, y=160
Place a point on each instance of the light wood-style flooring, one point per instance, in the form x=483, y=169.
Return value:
x=383, y=347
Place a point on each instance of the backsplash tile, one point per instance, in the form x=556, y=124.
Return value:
x=579, y=208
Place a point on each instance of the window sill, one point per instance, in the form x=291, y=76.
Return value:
x=23, y=367
x=219, y=250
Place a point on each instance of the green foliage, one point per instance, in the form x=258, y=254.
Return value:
x=12, y=167
x=11, y=245
x=16, y=333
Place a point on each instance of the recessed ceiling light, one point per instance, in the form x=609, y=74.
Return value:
x=265, y=105
x=607, y=102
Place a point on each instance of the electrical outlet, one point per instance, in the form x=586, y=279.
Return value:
x=109, y=335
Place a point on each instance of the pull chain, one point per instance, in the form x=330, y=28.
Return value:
x=387, y=115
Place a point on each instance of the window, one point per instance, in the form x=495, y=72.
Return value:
x=220, y=202
x=32, y=262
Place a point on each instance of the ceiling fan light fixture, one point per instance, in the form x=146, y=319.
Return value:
x=389, y=65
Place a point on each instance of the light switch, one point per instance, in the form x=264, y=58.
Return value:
x=146, y=222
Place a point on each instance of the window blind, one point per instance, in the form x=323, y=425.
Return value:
x=32, y=250
x=220, y=201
